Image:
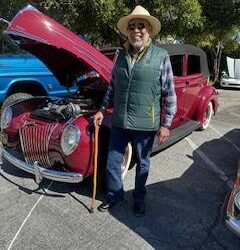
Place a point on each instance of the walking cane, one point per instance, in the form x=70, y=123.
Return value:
x=93, y=204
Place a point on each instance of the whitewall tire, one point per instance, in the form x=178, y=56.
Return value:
x=207, y=116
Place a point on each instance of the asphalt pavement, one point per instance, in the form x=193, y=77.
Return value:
x=186, y=188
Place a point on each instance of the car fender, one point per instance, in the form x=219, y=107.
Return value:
x=206, y=95
x=19, y=85
x=23, y=83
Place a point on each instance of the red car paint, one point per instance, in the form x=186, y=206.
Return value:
x=69, y=57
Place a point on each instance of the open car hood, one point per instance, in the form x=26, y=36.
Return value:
x=67, y=55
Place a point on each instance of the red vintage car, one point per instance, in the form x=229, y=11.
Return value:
x=232, y=207
x=55, y=136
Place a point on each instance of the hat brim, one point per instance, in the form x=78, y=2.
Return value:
x=154, y=22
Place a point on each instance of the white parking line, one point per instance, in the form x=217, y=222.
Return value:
x=25, y=220
x=211, y=164
x=234, y=114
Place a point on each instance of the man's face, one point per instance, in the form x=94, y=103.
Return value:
x=139, y=31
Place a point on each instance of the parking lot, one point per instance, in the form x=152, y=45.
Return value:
x=186, y=189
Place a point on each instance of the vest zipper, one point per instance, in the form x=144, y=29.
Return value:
x=128, y=90
x=129, y=86
x=153, y=114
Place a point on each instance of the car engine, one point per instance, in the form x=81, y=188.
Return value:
x=64, y=109
x=87, y=99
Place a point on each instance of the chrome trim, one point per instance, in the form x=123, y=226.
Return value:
x=40, y=172
x=77, y=141
x=35, y=142
x=234, y=225
x=37, y=172
x=1, y=155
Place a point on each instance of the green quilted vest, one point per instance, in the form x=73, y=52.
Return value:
x=137, y=90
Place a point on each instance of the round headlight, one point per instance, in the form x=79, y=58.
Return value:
x=70, y=138
x=237, y=200
x=6, y=117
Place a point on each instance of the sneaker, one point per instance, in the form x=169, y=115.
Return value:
x=139, y=209
x=106, y=206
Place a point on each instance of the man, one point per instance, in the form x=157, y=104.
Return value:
x=141, y=76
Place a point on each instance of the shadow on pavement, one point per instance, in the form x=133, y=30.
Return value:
x=182, y=212
x=185, y=212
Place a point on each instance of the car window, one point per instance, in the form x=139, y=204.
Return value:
x=177, y=64
x=110, y=52
x=194, y=66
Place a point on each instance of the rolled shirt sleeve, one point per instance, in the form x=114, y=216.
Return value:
x=108, y=98
x=168, y=91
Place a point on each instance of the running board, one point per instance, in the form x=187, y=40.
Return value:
x=176, y=134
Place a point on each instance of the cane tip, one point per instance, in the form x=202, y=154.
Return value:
x=91, y=210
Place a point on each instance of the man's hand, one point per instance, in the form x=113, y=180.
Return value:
x=98, y=118
x=163, y=135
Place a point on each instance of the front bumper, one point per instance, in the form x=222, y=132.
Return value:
x=40, y=172
x=234, y=225
x=232, y=214
x=230, y=82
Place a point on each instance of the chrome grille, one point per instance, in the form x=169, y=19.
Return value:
x=35, y=141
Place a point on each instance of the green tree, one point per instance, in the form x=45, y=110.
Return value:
x=220, y=27
x=8, y=10
x=178, y=18
x=211, y=24
x=94, y=18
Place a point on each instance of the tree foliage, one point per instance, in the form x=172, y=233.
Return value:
x=178, y=18
x=94, y=18
x=220, y=29
x=212, y=24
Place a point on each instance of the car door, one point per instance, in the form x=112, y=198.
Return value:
x=194, y=80
x=179, y=71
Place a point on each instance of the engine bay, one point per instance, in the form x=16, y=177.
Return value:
x=86, y=100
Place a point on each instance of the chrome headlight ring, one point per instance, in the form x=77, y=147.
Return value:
x=237, y=200
x=6, y=117
x=70, y=138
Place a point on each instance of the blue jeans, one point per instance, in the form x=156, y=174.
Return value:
x=142, y=142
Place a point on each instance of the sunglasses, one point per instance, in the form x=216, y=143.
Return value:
x=133, y=26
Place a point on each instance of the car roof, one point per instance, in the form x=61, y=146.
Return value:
x=182, y=49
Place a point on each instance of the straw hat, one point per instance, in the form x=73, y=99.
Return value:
x=139, y=12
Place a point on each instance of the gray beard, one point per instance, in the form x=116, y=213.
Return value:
x=137, y=45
